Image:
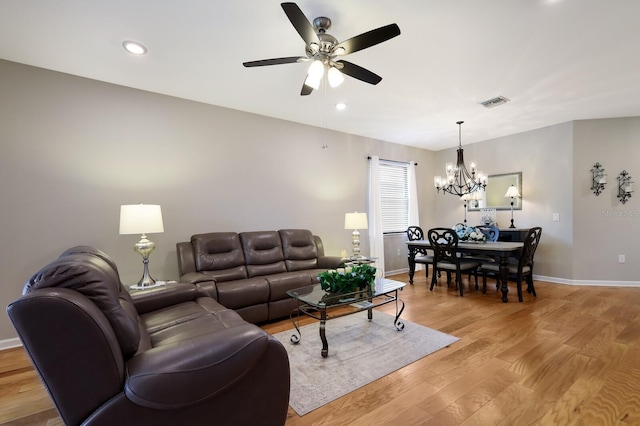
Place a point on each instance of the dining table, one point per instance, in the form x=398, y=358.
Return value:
x=500, y=250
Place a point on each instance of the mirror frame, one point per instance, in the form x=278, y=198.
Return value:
x=496, y=191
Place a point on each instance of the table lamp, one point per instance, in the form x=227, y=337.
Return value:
x=355, y=221
x=512, y=193
x=142, y=219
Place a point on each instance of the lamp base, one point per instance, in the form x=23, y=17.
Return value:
x=355, y=243
x=145, y=247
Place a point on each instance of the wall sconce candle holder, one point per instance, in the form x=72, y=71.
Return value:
x=599, y=179
x=624, y=186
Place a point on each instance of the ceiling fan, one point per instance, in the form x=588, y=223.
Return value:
x=324, y=51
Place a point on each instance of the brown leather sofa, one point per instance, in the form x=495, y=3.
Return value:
x=250, y=272
x=164, y=357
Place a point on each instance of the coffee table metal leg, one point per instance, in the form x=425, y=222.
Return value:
x=295, y=339
x=399, y=324
x=323, y=337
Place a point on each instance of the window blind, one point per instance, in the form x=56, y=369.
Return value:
x=394, y=196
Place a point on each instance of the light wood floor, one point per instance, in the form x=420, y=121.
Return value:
x=571, y=356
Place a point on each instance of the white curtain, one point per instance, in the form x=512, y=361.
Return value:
x=376, y=238
x=414, y=216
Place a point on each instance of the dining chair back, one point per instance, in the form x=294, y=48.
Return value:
x=531, y=241
x=444, y=242
x=415, y=233
x=423, y=257
x=523, y=269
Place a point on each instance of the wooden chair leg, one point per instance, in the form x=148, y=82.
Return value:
x=530, y=288
x=433, y=279
x=459, y=282
x=484, y=282
x=519, y=287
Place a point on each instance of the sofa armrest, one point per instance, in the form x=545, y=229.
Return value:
x=189, y=371
x=161, y=297
x=330, y=262
x=196, y=277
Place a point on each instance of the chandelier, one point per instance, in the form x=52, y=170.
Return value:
x=460, y=181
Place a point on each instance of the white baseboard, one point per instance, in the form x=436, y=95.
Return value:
x=593, y=283
x=10, y=343
x=556, y=280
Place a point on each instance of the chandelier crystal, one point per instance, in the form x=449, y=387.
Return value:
x=460, y=181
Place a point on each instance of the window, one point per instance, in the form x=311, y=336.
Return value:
x=394, y=196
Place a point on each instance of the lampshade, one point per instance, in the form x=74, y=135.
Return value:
x=355, y=220
x=140, y=219
x=476, y=195
x=335, y=77
x=512, y=192
x=316, y=70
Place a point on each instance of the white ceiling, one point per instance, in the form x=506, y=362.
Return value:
x=556, y=60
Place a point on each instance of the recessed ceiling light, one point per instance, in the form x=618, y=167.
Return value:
x=134, y=47
x=340, y=106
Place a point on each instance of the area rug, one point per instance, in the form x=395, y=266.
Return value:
x=360, y=352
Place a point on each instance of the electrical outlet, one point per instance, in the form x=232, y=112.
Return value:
x=621, y=258
x=556, y=217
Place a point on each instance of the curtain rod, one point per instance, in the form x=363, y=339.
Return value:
x=394, y=161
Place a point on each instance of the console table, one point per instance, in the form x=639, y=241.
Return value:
x=513, y=234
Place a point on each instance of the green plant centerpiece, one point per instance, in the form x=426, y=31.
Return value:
x=348, y=279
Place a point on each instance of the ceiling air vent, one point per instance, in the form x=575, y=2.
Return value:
x=494, y=102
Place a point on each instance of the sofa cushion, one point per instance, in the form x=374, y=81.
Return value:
x=299, y=248
x=281, y=283
x=220, y=252
x=263, y=253
x=242, y=293
x=189, y=319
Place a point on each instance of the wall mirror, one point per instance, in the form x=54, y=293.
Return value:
x=493, y=196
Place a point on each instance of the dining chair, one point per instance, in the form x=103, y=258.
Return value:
x=422, y=255
x=444, y=242
x=522, y=269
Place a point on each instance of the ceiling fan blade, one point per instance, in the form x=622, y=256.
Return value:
x=301, y=23
x=360, y=73
x=275, y=61
x=306, y=90
x=368, y=39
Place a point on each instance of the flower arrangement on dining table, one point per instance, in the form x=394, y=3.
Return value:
x=469, y=233
x=348, y=279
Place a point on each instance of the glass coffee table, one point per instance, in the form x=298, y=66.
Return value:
x=318, y=304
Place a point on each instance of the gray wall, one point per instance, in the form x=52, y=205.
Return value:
x=74, y=150
x=604, y=227
x=555, y=161
x=544, y=157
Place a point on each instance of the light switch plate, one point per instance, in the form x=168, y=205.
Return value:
x=556, y=217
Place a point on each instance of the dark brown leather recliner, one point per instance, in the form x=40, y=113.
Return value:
x=171, y=356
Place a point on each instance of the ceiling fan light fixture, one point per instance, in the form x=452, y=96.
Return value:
x=313, y=82
x=316, y=70
x=335, y=77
